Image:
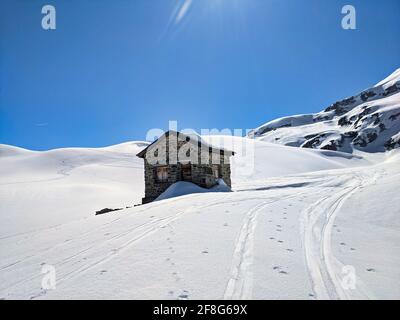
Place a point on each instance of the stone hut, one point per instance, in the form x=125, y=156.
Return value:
x=183, y=157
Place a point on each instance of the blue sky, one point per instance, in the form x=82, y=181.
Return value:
x=114, y=69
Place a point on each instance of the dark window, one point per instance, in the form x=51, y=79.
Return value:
x=216, y=171
x=162, y=174
x=208, y=170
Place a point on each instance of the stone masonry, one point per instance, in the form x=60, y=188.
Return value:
x=178, y=157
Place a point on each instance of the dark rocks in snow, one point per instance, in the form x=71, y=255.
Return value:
x=360, y=117
x=360, y=141
x=265, y=130
x=313, y=142
x=350, y=134
x=375, y=116
x=394, y=116
x=106, y=210
x=353, y=118
x=321, y=118
x=371, y=136
x=339, y=107
x=392, y=143
x=367, y=121
x=366, y=110
x=363, y=139
x=343, y=121
x=338, y=110
x=331, y=146
x=392, y=89
x=317, y=141
x=335, y=144
x=310, y=136
x=367, y=94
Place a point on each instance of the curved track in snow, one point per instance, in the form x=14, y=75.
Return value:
x=325, y=270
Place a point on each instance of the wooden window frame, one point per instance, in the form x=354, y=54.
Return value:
x=162, y=174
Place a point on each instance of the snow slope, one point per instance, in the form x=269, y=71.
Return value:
x=295, y=218
x=42, y=189
x=368, y=121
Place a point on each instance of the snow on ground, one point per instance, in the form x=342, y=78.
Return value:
x=182, y=188
x=42, y=189
x=295, y=218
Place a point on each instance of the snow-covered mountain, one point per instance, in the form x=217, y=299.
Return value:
x=368, y=121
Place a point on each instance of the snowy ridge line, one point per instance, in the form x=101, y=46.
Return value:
x=61, y=174
x=68, y=164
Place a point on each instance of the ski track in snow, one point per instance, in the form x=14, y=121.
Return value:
x=241, y=278
x=119, y=242
x=317, y=224
x=316, y=227
x=240, y=283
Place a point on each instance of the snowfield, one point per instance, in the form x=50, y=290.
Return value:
x=42, y=189
x=299, y=224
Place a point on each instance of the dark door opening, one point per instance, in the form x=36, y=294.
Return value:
x=187, y=172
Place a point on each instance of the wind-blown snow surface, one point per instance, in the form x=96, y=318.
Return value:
x=295, y=218
x=369, y=121
x=42, y=189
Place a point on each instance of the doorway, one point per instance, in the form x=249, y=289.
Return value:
x=187, y=172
